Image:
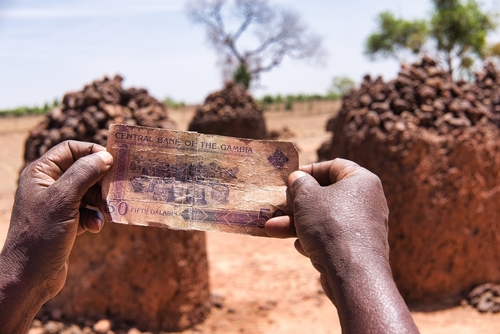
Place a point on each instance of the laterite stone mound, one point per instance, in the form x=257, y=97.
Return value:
x=86, y=115
x=153, y=279
x=231, y=111
x=435, y=144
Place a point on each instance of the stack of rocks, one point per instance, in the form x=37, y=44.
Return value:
x=230, y=112
x=423, y=95
x=149, y=278
x=434, y=143
x=87, y=114
x=485, y=298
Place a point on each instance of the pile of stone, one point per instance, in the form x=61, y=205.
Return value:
x=231, y=111
x=485, y=298
x=86, y=115
x=423, y=95
x=435, y=144
x=152, y=279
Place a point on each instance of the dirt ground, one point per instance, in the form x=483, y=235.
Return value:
x=258, y=285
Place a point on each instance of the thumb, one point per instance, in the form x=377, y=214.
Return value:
x=83, y=174
x=299, y=180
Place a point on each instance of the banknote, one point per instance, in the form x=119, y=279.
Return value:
x=191, y=181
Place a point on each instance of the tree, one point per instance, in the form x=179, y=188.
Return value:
x=341, y=86
x=494, y=50
x=493, y=53
x=277, y=33
x=460, y=31
x=456, y=32
x=242, y=75
x=396, y=36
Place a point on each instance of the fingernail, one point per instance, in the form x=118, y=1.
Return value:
x=106, y=157
x=97, y=225
x=295, y=175
x=98, y=221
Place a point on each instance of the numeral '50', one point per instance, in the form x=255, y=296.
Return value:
x=121, y=207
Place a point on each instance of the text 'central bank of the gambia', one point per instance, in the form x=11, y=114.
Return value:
x=178, y=142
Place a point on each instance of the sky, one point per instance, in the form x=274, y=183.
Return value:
x=50, y=47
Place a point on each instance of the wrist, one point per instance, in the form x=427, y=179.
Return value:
x=361, y=286
x=21, y=292
x=351, y=268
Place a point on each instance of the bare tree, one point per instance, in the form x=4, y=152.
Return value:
x=277, y=32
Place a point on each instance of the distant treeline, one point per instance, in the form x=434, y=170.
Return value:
x=24, y=111
x=288, y=100
x=265, y=101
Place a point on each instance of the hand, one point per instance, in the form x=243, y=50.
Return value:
x=340, y=217
x=50, y=209
x=338, y=206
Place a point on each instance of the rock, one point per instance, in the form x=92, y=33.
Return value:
x=36, y=330
x=485, y=303
x=434, y=82
x=400, y=105
x=380, y=107
x=53, y=327
x=428, y=61
x=372, y=118
x=230, y=112
x=485, y=297
x=134, y=331
x=72, y=329
x=439, y=164
x=36, y=323
x=102, y=326
x=365, y=100
x=87, y=330
x=426, y=93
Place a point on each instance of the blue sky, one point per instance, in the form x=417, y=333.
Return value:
x=50, y=47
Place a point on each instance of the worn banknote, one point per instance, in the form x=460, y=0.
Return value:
x=192, y=181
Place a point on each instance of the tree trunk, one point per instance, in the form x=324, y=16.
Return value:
x=449, y=61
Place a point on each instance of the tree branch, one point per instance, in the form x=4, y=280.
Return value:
x=279, y=33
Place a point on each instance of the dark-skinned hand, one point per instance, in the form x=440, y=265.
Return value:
x=50, y=210
x=340, y=217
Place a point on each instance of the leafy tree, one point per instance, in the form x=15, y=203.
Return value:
x=493, y=51
x=396, y=36
x=242, y=75
x=456, y=30
x=341, y=86
x=277, y=32
x=460, y=31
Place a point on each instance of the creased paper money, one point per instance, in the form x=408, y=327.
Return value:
x=192, y=181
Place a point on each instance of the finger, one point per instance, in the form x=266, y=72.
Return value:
x=90, y=220
x=329, y=172
x=59, y=158
x=93, y=197
x=83, y=174
x=280, y=227
x=320, y=171
x=299, y=248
